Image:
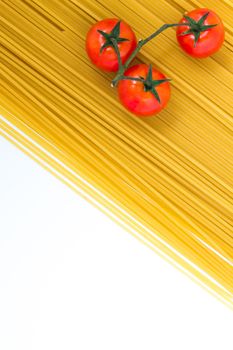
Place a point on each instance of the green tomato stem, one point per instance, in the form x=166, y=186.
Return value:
x=141, y=43
x=116, y=48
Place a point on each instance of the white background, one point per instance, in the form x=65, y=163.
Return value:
x=70, y=278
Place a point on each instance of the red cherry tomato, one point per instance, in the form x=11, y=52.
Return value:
x=138, y=97
x=200, y=39
x=107, y=58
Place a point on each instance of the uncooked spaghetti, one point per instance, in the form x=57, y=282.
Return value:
x=168, y=178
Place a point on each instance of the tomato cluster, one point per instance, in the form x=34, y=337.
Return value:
x=111, y=45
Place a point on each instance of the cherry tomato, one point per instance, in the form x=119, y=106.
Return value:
x=203, y=36
x=99, y=43
x=147, y=96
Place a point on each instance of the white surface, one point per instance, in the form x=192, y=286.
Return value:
x=70, y=278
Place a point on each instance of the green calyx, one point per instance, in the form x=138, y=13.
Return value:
x=197, y=27
x=114, y=35
x=150, y=84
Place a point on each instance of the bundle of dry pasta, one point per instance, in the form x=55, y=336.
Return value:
x=168, y=179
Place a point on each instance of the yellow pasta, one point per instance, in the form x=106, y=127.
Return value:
x=167, y=179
